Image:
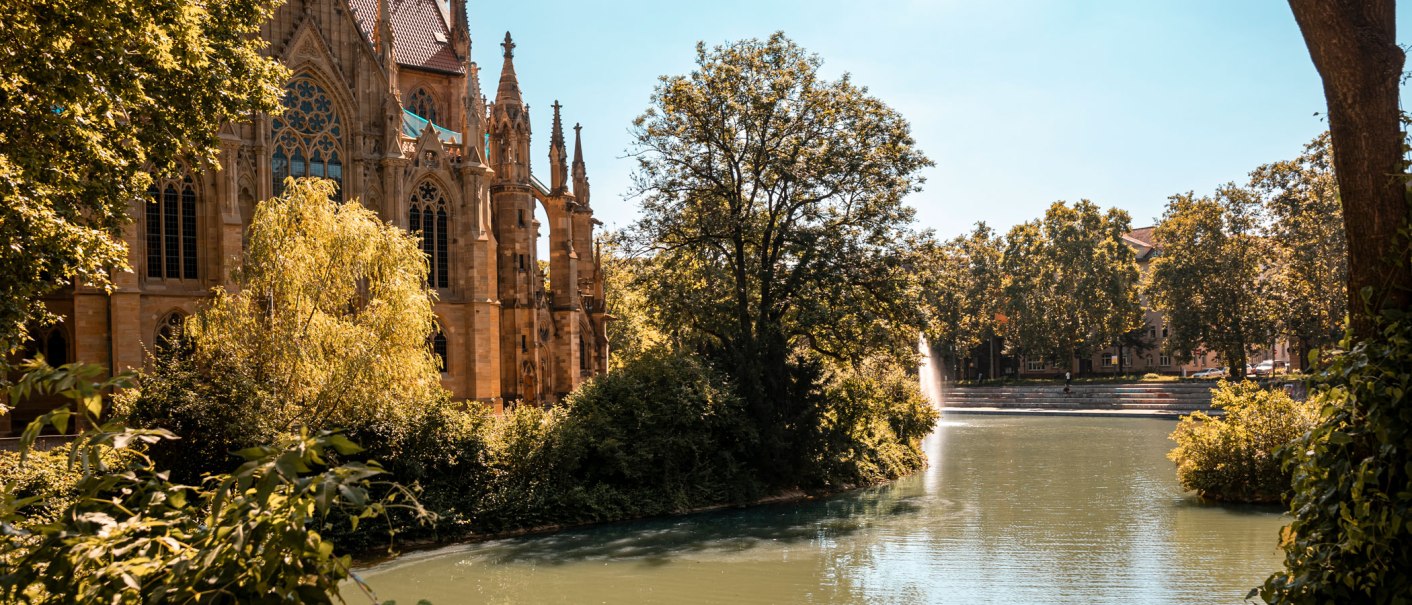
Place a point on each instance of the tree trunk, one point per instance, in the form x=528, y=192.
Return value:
x=1354, y=47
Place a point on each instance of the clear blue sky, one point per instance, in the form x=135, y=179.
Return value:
x=1019, y=103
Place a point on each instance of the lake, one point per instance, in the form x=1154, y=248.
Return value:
x=1012, y=509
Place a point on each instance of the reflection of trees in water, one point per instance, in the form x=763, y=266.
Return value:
x=658, y=541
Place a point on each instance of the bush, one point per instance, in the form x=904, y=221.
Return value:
x=1349, y=541
x=1236, y=457
x=871, y=428
x=123, y=532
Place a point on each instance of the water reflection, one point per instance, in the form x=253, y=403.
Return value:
x=1013, y=510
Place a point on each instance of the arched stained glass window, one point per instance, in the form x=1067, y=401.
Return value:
x=421, y=103
x=307, y=136
x=428, y=217
x=171, y=229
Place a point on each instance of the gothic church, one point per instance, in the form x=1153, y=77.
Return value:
x=385, y=100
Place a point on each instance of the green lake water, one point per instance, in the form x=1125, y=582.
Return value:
x=1012, y=509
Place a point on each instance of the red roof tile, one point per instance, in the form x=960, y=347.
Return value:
x=416, y=25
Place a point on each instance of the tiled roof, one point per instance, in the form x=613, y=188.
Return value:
x=1143, y=235
x=421, y=37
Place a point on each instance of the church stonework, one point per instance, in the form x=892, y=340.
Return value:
x=385, y=100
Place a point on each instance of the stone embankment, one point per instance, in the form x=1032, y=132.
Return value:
x=1156, y=400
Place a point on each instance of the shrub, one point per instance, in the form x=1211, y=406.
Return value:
x=1236, y=457
x=664, y=427
x=1151, y=376
x=871, y=427
x=125, y=533
x=1349, y=541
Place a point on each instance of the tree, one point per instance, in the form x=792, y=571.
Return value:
x=1309, y=249
x=327, y=326
x=772, y=201
x=633, y=330
x=1210, y=279
x=1354, y=47
x=1349, y=541
x=96, y=94
x=1070, y=283
x=962, y=288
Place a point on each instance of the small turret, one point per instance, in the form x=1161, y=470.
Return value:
x=580, y=171
x=510, y=125
x=509, y=91
x=558, y=156
x=460, y=30
x=473, y=129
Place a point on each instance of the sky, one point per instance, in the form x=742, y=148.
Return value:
x=1019, y=103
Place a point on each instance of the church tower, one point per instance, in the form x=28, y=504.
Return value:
x=512, y=202
x=565, y=307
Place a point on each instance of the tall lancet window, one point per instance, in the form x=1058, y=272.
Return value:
x=428, y=218
x=307, y=135
x=170, y=220
x=421, y=103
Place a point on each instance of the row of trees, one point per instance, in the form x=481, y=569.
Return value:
x=1231, y=272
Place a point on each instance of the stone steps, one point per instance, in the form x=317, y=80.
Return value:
x=1174, y=398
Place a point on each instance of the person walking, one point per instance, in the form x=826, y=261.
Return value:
x=1068, y=380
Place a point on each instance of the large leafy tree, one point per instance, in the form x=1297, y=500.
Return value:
x=1350, y=541
x=961, y=285
x=1310, y=252
x=1211, y=279
x=1070, y=285
x=772, y=202
x=93, y=95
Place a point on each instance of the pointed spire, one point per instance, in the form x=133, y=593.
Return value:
x=509, y=85
x=580, y=171
x=558, y=155
x=383, y=36
x=473, y=128
x=460, y=30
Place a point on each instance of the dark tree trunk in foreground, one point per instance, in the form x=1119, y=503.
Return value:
x=1354, y=46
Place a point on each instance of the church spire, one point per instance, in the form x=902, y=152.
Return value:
x=473, y=131
x=460, y=30
x=509, y=91
x=382, y=37
x=580, y=171
x=558, y=155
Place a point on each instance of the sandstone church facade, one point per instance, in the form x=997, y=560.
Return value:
x=385, y=100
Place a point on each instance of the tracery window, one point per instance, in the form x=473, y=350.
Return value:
x=421, y=103
x=428, y=218
x=52, y=342
x=169, y=333
x=171, y=229
x=307, y=135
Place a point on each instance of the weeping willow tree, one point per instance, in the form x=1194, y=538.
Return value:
x=326, y=326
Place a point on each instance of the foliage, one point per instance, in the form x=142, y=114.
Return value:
x=95, y=93
x=665, y=426
x=1235, y=457
x=873, y=426
x=1211, y=279
x=626, y=282
x=961, y=286
x=326, y=327
x=772, y=201
x=1305, y=230
x=1352, y=507
x=662, y=434
x=1070, y=282
x=128, y=534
